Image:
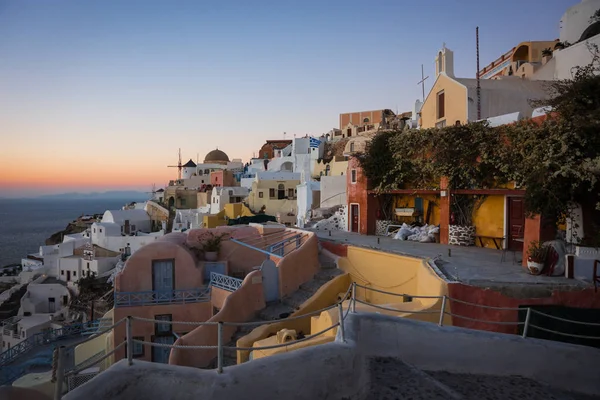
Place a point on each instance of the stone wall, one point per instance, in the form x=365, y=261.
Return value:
x=462, y=235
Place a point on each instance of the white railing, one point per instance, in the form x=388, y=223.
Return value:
x=225, y=282
x=350, y=295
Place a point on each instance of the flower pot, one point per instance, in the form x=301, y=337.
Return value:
x=534, y=268
x=211, y=255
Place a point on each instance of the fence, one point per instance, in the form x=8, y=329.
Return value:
x=350, y=295
x=43, y=338
x=225, y=282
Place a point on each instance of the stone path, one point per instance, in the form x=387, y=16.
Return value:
x=393, y=379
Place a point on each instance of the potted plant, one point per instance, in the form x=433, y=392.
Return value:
x=210, y=244
x=546, y=55
x=559, y=46
x=536, y=256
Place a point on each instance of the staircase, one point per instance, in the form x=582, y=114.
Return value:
x=286, y=306
x=392, y=379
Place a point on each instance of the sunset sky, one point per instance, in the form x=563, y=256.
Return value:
x=99, y=95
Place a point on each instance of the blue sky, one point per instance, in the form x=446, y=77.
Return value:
x=138, y=79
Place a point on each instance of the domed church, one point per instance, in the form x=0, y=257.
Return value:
x=216, y=157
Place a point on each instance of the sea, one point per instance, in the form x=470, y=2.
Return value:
x=25, y=224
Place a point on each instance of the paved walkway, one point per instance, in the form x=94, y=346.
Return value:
x=472, y=265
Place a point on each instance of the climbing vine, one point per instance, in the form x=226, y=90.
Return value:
x=557, y=161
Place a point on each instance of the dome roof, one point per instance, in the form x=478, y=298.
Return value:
x=216, y=156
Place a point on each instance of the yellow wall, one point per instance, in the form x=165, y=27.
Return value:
x=489, y=220
x=273, y=206
x=231, y=211
x=401, y=201
x=388, y=272
x=90, y=348
x=455, y=103
x=324, y=297
x=336, y=168
x=396, y=274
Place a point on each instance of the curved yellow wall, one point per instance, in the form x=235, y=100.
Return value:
x=383, y=271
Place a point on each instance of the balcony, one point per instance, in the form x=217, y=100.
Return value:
x=153, y=297
x=225, y=282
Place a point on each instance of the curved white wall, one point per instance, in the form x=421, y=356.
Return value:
x=576, y=20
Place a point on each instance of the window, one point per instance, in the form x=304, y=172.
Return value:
x=161, y=328
x=260, y=195
x=74, y=273
x=352, y=147
x=138, y=348
x=441, y=105
x=62, y=271
x=272, y=193
x=366, y=121
x=353, y=176
x=290, y=192
x=94, y=230
x=65, y=300
x=100, y=230
x=133, y=227
x=182, y=202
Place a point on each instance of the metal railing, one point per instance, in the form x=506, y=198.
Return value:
x=225, y=282
x=350, y=296
x=152, y=297
x=40, y=339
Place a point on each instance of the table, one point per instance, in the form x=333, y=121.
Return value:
x=494, y=238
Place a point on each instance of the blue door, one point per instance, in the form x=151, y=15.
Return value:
x=161, y=354
x=216, y=266
x=163, y=279
x=270, y=276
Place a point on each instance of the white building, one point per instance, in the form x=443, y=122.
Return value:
x=123, y=228
x=577, y=32
x=88, y=260
x=49, y=255
x=45, y=302
x=308, y=194
x=45, y=296
x=225, y=195
x=129, y=221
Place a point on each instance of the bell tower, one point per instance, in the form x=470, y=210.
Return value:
x=444, y=62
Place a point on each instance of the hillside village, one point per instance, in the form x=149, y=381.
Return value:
x=271, y=259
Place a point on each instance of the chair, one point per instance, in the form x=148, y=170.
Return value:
x=515, y=235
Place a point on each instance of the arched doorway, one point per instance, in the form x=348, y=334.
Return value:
x=280, y=192
x=171, y=202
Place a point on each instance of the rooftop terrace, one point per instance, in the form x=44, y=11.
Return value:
x=475, y=266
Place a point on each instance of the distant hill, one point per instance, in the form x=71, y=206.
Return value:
x=128, y=195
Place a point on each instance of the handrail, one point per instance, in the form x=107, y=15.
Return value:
x=397, y=294
x=565, y=319
x=225, y=282
x=351, y=308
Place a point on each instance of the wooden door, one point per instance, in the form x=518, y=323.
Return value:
x=516, y=223
x=354, y=218
x=163, y=276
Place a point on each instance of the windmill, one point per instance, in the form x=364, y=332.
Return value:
x=179, y=166
x=153, y=192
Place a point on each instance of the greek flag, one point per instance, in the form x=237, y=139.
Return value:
x=314, y=142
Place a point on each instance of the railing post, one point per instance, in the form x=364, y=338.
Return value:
x=353, y=299
x=129, y=334
x=442, y=311
x=60, y=373
x=220, y=347
x=527, y=318
x=341, y=317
